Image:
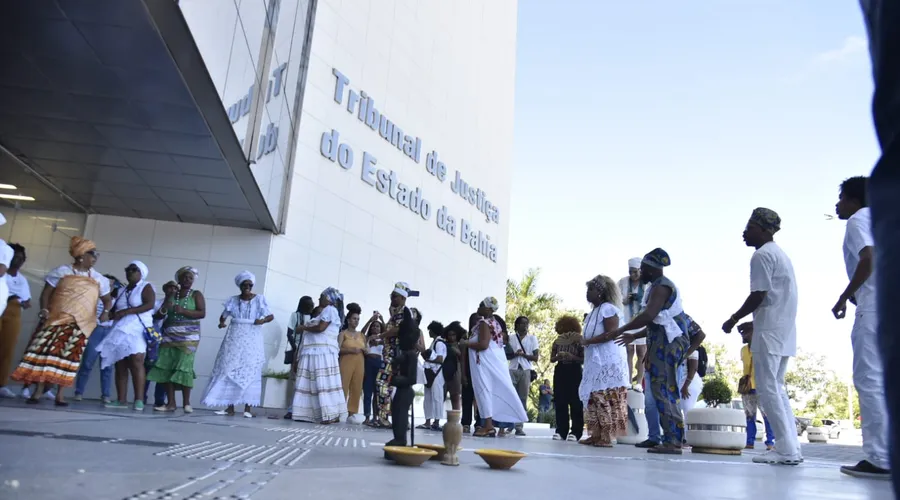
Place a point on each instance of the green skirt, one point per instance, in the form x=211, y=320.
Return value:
x=173, y=366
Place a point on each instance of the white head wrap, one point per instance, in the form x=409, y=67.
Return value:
x=143, y=267
x=491, y=303
x=186, y=269
x=244, y=276
x=401, y=288
x=635, y=263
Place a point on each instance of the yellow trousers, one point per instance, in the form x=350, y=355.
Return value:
x=353, y=371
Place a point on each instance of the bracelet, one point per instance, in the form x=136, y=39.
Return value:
x=733, y=320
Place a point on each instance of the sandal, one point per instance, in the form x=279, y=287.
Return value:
x=602, y=445
x=32, y=401
x=423, y=427
x=491, y=433
x=61, y=404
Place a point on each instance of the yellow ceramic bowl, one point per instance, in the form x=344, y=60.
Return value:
x=408, y=455
x=500, y=459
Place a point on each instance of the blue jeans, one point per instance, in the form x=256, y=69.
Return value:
x=881, y=18
x=159, y=393
x=751, y=431
x=651, y=411
x=88, y=359
x=373, y=366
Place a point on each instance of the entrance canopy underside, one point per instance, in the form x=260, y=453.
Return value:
x=107, y=107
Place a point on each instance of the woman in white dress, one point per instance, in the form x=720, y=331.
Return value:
x=319, y=394
x=237, y=372
x=494, y=392
x=604, y=384
x=125, y=345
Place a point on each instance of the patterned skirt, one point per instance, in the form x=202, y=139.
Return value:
x=175, y=366
x=606, y=414
x=53, y=355
x=319, y=392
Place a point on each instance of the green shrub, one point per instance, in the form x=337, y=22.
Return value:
x=716, y=392
x=816, y=422
x=283, y=375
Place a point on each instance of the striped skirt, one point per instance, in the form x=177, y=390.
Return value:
x=53, y=355
x=319, y=392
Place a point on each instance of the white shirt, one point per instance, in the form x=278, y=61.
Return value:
x=438, y=349
x=775, y=321
x=57, y=274
x=18, y=286
x=6, y=253
x=326, y=341
x=857, y=237
x=530, y=345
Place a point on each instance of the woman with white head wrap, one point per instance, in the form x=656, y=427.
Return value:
x=125, y=346
x=496, y=397
x=631, y=290
x=319, y=393
x=237, y=372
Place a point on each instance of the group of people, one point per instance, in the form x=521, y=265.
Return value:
x=485, y=370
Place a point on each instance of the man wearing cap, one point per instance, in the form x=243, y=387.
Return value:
x=773, y=304
x=632, y=292
x=401, y=331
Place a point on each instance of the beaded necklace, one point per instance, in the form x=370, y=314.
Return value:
x=181, y=301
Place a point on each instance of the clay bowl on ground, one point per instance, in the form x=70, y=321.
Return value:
x=440, y=449
x=408, y=455
x=500, y=459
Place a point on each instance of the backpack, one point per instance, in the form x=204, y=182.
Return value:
x=702, y=362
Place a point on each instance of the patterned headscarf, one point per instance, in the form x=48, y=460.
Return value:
x=657, y=258
x=401, y=288
x=337, y=300
x=244, y=276
x=491, y=303
x=766, y=219
x=597, y=282
x=187, y=269
x=79, y=246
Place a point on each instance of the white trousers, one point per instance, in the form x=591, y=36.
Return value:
x=434, y=399
x=770, y=370
x=868, y=378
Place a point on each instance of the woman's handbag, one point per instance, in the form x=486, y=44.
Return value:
x=153, y=339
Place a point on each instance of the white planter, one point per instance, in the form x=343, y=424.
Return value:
x=276, y=393
x=636, y=403
x=816, y=434
x=720, y=429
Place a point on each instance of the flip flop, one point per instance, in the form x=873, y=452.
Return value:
x=61, y=404
x=423, y=427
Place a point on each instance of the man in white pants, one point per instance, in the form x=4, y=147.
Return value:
x=868, y=376
x=773, y=303
x=631, y=289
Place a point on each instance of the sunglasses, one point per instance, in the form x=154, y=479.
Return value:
x=246, y=284
x=132, y=269
x=93, y=253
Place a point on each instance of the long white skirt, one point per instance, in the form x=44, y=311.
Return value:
x=693, y=391
x=125, y=339
x=493, y=387
x=434, y=398
x=237, y=372
x=319, y=393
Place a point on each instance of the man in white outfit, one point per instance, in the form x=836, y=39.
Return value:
x=868, y=376
x=631, y=289
x=773, y=303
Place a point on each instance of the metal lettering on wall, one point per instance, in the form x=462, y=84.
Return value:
x=268, y=141
x=387, y=182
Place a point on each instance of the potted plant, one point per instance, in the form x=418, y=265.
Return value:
x=816, y=432
x=275, y=389
x=718, y=428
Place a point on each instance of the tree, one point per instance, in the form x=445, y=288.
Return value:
x=807, y=380
x=726, y=367
x=542, y=311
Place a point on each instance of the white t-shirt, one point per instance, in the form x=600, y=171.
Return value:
x=57, y=274
x=857, y=237
x=530, y=345
x=18, y=286
x=438, y=349
x=775, y=321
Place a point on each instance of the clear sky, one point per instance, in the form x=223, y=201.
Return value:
x=652, y=123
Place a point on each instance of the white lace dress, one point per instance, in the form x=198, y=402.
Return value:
x=236, y=377
x=127, y=334
x=606, y=364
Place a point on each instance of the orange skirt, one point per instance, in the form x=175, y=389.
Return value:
x=53, y=355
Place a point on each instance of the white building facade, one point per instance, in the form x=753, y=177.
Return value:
x=345, y=143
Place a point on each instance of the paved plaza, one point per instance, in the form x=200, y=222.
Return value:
x=88, y=452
